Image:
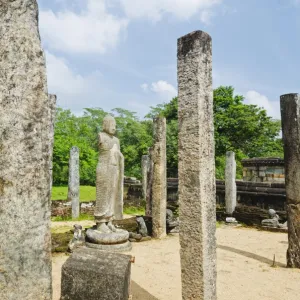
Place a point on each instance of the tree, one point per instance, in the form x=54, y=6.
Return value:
x=244, y=129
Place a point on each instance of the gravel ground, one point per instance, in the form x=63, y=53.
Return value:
x=244, y=259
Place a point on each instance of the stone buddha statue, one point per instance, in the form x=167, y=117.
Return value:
x=109, y=178
x=109, y=193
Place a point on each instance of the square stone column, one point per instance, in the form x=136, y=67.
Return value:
x=197, y=192
x=290, y=118
x=74, y=182
x=159, y=184
x=26, y=142
x=230, y=184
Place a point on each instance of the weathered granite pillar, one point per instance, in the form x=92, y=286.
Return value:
x=230, y=184
x=74, y=182
x=197, y=196
x=290, y=118
x=159, y=185
x=148, y=212
x=145, y=169
x=26, y=137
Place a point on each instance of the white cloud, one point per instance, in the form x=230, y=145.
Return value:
x=164, y=88
x=155, y=9
x=144, y=87
x=93, y=30
x=73, y=90
x=61, y=79
x=206, y=16
x=272, y=107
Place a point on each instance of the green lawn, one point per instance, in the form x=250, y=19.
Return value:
x=87, y=193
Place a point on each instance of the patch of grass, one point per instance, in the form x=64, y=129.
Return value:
x=131, y=210
x=87, y=193
x=82, y=217
x=219, y=224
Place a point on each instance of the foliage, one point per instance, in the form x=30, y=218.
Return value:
x=244, y=129
x=82, y=131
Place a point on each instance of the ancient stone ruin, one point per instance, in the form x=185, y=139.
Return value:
x=290, y=118
x=196, y=167
x=26, y=139
x=92, y=274
x=159, y=184
x=230, y=184
x=109, y=193
x=74, y=182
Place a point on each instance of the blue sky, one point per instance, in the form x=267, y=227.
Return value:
x=122, y=53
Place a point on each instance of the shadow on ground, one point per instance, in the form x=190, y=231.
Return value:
x=252, y=255
x=138, y=293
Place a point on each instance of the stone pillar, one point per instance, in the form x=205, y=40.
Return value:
x=149, y=185
x=197, y=195
x=159, y=185
x=145, y=169
x=26, y=137
x=74, y=182
x=230, y=184
x=290, y=118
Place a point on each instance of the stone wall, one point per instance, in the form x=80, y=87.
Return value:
x=263, y=169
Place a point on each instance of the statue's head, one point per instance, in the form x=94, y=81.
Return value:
x=109, y=125
x=272, y=213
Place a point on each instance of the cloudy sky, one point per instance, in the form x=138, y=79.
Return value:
x=122, y=53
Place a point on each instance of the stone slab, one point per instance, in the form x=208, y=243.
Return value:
x=90, y=274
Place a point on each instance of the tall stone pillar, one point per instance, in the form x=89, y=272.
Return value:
x=230, y=184
x=149, y=184
x=290, y=118
x=145, y=169
x=159, y=185
x=197, y=196
x=26, y=137
x=74, y=182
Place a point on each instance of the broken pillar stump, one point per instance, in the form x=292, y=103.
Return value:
x=92, y=274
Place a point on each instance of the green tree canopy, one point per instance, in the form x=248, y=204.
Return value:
x=245, y=129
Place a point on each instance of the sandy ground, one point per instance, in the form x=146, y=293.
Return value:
x=244, y=259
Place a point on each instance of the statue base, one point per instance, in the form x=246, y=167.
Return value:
x=124, y=247
x=108, y=241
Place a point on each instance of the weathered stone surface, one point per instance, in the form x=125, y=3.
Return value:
x=74, y=182
x=149, y=195
x=109, y=193
x=142, y=228
x=196, y=167
x=98, y=237
x=92, y=274
x=230, y=185
x=78, y=238
x=26, y=133
x=110, y=173
x=145, y=170
x=290, y=118
x=159, y=185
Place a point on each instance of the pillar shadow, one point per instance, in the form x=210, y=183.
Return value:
x=138, y=293
x=251, y=255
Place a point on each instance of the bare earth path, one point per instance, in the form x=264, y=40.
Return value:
x=244, y=272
